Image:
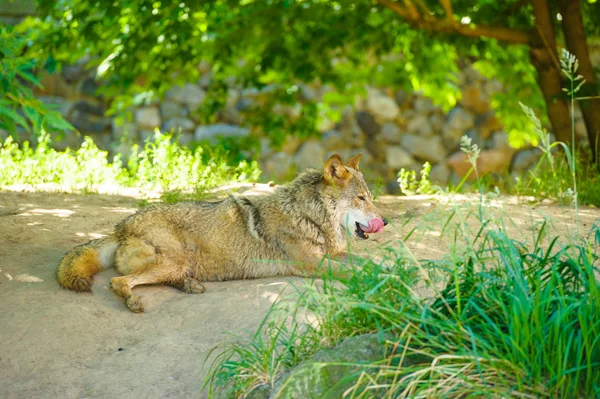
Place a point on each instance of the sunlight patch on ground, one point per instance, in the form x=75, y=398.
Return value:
x=94, y=236
x=27, y=278
x=63, y=213
x=119, y=209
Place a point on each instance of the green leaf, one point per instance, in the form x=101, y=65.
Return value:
x=11, y=114
x=30, y=78
x=56, y=121
x=50, y=64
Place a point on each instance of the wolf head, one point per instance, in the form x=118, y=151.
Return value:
x=358, y=213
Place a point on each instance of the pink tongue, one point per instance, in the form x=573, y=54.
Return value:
x=375, y=226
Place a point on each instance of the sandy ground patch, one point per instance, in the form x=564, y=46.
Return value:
x=58, y=344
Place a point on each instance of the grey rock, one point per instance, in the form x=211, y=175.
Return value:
x=171, y=109
x=367, y=123
x=424, y=105
x=437, y=122
x=125, y=130
x=148, y=117
x=440, y=173
x=382, y=106
x=185, y=138
x=178, y=124
x=146, y=135
x=457, y=124
x=525, y=159
x=333, y=140
x=428, y=149
x=402, y=98
x=244, y=104
x=325, y=374
x=310, y=155
x=397, y=157
x=278, y=166
x=420, y=125
x=350, y=128
x=190, y=95
x=391, y=133
x=88, y=87
x=500, y=140
x=89, y=123
x=211, y=132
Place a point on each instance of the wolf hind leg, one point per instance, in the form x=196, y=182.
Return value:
x=189, y=285
x=168, y=273
x=141, y=264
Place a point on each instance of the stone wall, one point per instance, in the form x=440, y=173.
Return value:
x=393, y=129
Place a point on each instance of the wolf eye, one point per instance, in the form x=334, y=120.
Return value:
x=360, y=197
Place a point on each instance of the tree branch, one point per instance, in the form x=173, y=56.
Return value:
x=448, y=8
x=412, y=10
x=513, y=36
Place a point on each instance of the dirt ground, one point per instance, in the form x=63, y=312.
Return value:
x=58, y=344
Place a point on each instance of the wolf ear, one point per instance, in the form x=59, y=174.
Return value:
x=335, y=171
x=354, y=161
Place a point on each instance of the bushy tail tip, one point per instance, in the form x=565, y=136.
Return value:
x=77, y=268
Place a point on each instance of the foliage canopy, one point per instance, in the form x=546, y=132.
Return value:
x=147, y=46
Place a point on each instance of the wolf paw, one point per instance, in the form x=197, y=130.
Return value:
x=134, y=304
x=192, y=286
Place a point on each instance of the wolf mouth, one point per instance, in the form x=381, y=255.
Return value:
x=360, y=232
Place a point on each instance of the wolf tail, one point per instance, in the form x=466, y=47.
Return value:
x=77, y=267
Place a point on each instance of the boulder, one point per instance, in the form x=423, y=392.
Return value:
x=390, y=132
x=382, y=106
x=190, y=95
x=475, y=100
x=496, y=160
x=367, y=123
x=457, y=123
x=487, y=123
x=440, y=173
x=350, y=128
x=428, y=149
x=397, y=157
x=424, y=105
x=171, y=109
x=147, y=117
x=402, y=98
x=310, y=155
x=211, y=132
x=178, y=124
x=277, y=166
x=420, y=125
x=125, y=130
x=333, y=140
x=326, y=374
x=526, y=159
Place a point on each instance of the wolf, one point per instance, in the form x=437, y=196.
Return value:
x=288, y=232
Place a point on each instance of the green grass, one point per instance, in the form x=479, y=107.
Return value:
x=504, y=317
x=510, y=319
x=162, y=165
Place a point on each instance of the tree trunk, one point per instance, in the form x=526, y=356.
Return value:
x=572, y=26
x=544, y=58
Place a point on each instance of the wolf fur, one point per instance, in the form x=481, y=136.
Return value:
x=287, y=232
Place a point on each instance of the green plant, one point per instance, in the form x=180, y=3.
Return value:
x=510, y=319
x=410, y=185
x=341, y=45
x=17, y=75
x=162, y=165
